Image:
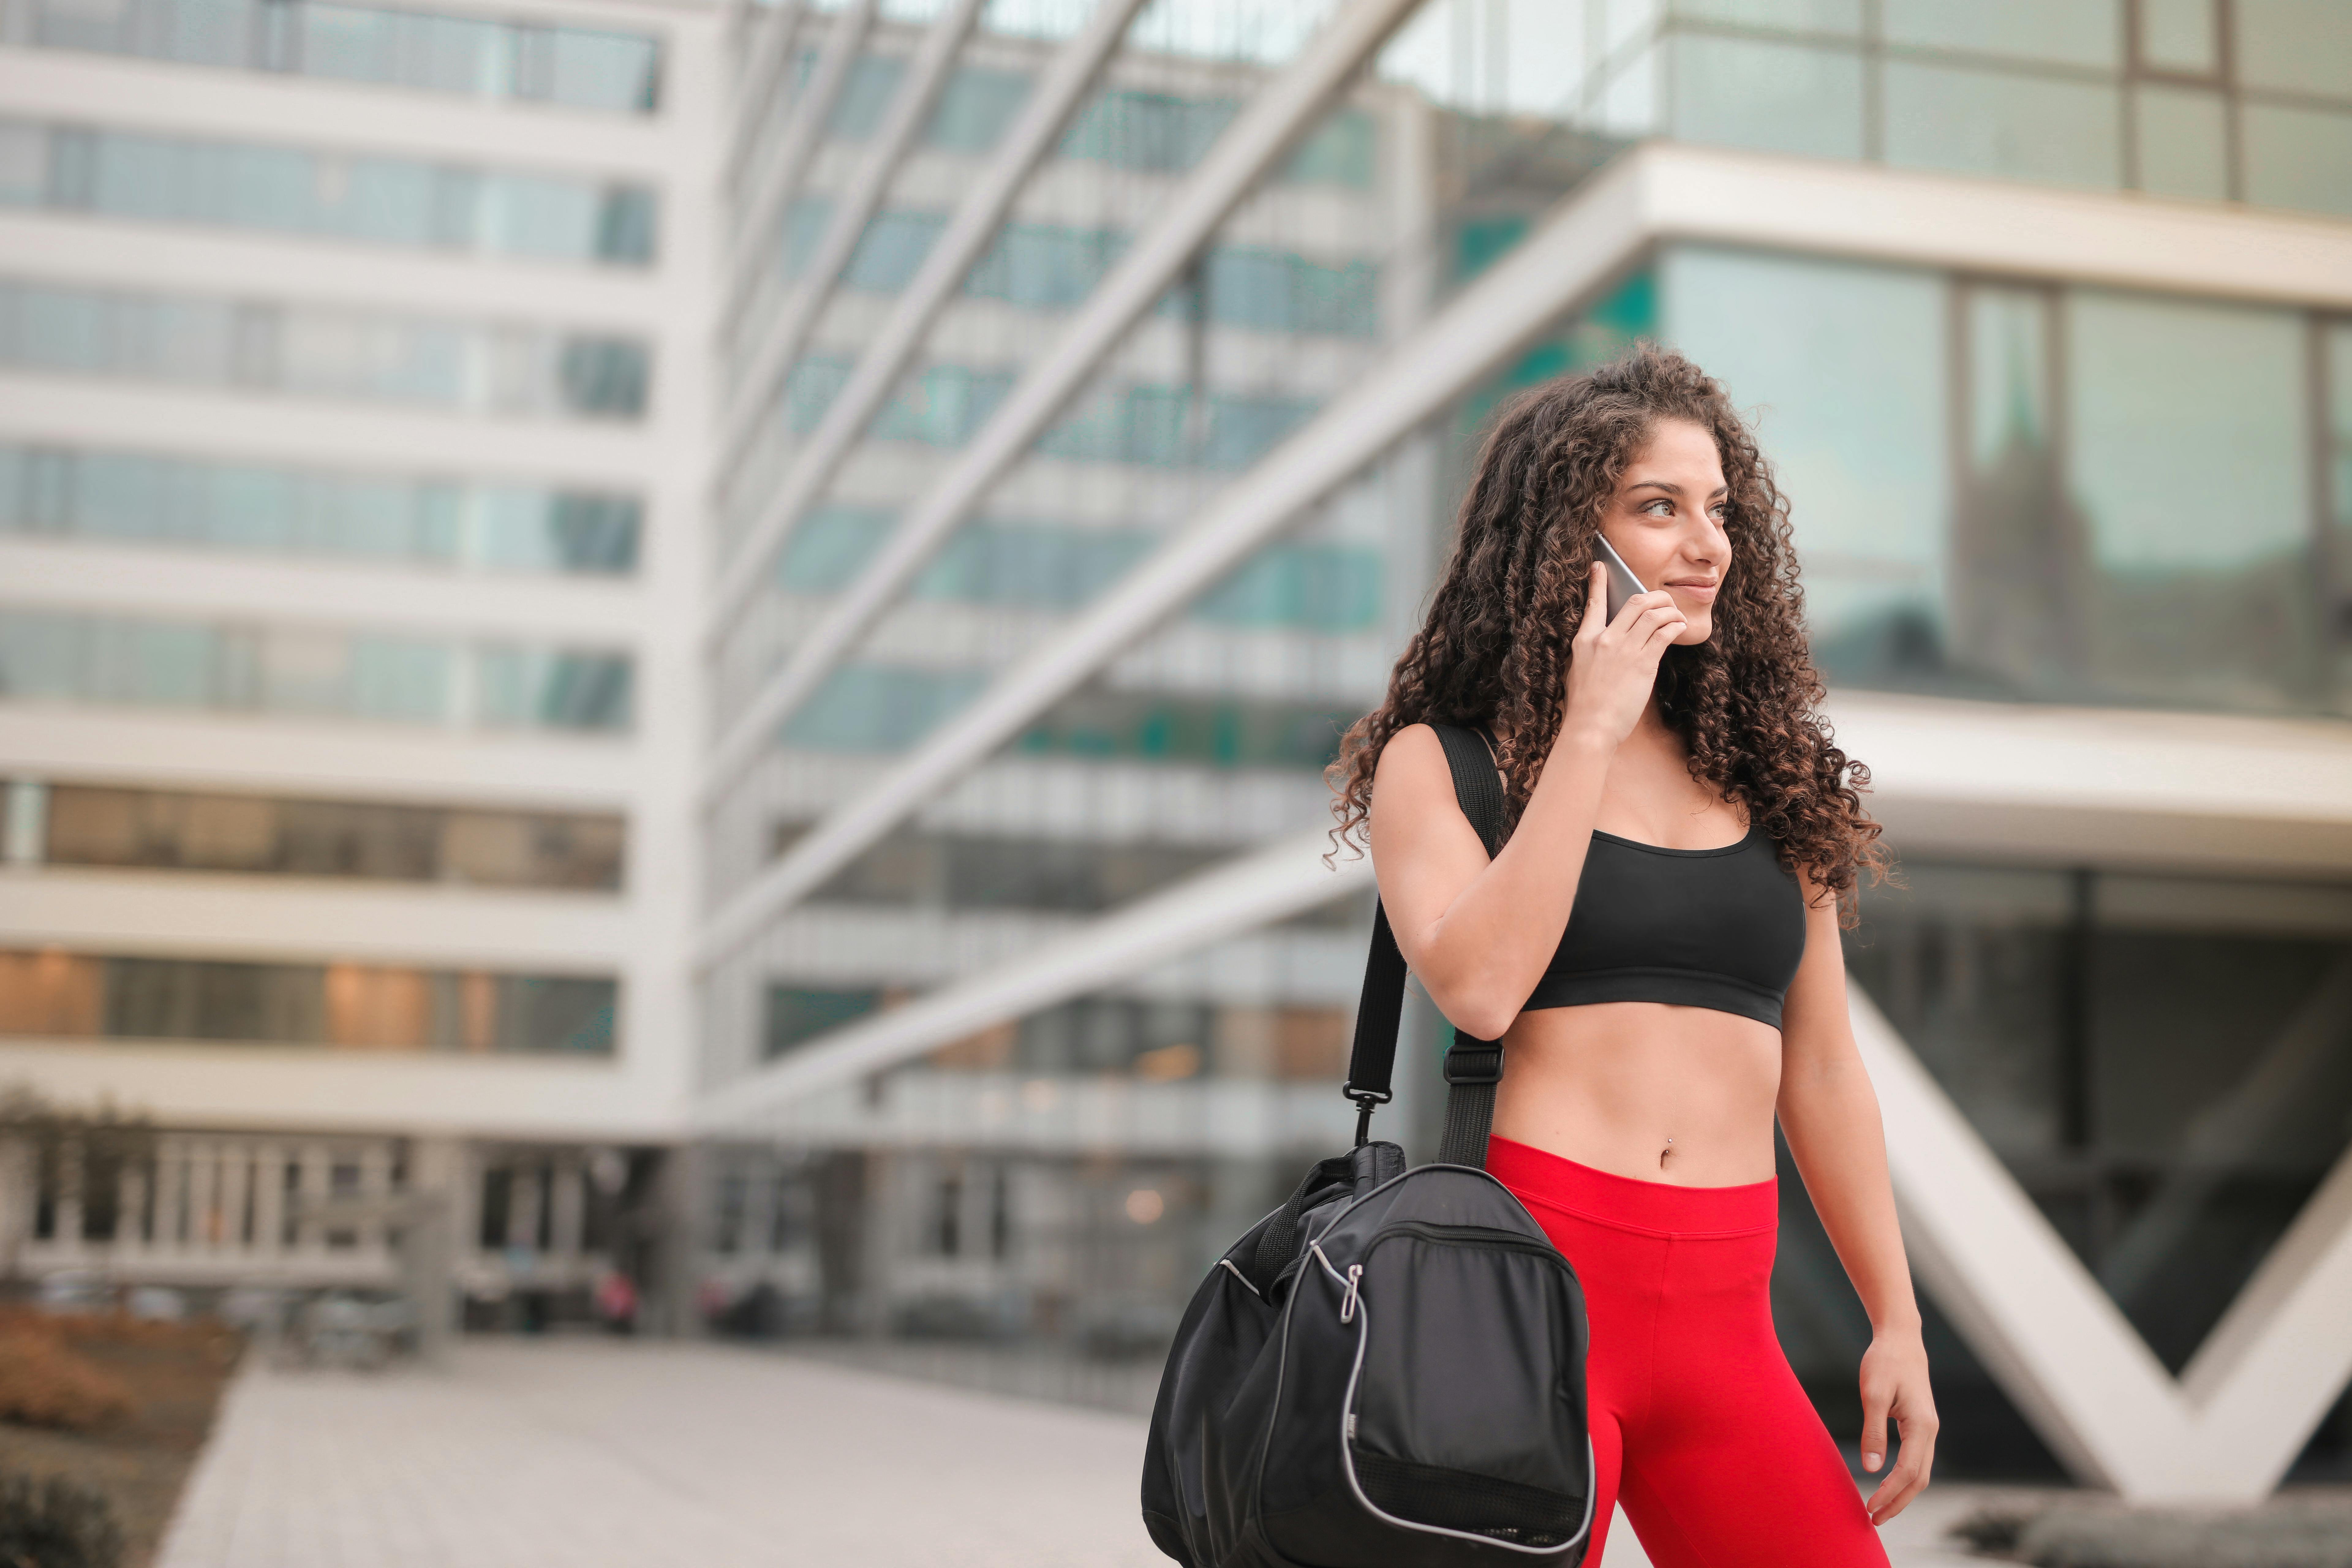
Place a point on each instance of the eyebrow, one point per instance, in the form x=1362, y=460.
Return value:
x=1673, y=490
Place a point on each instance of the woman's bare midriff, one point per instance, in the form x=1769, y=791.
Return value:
x=1660, y=1093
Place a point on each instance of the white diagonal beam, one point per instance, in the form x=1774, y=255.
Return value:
x=1266, y=128
x=2250, y=1397
x=1513, y=302
x=770, y=37
x=951, y=258
x=1976, y=1241
x=780, y=341
x=1281, y=879
x=778, y=178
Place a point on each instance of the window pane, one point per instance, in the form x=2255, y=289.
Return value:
x=1844, y=366
x=865, y=97
x=2298, y=158
x=2019, y=128
x=1802, y=15
x=2076, y=32
x=2304, y=46
x=975, y=107
x=1777, y=97
x=2183, y=142
x=2180, y=35
x=2190, y=465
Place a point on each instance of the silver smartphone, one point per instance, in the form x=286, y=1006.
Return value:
x=1623, y=584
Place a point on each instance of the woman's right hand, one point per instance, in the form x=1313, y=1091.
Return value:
x=1614, y=664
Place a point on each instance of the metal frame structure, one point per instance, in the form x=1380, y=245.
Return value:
x=781, y=341
x=1268, y=127
x=1656, y=192
x=969, y=233
x=778, y=177
x=769, y=35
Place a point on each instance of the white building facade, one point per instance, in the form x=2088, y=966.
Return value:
x=843, y=535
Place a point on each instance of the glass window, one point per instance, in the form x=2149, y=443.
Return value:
x=942, y=405
x=1843, y=368
x=891, y=251
x=2298, y=158
x=864, y=96
x=2162, y=1063
x=1322, y=587
x=830, y=546
x=1146, y=130
x=2180, y=35
x=342, y=1005
x=2190, y=461
x=1343, y=151
x=1046, y=266
x=996, y=563
x=1777, y=97
x=302, y=672
x=2074, y=32
x=2012, y=127
x=539, y=688
x=2302, y=46
x=879, y=708
x=2182, y=140
x=797, y=1013
x=1226, y=734
x=142, y=497
x=578, y=67
x=2340, y=470
x=804, y=229
x=261, y=835
x=975, y=107
x=1800, y=16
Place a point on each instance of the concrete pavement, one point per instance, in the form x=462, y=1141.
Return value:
x=607, y=1454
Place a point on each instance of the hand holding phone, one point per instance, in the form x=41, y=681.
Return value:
x=1623, y=584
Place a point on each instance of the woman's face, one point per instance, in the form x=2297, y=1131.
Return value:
x=1666, y=520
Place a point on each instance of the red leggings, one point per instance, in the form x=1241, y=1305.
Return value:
x=1698, y=1426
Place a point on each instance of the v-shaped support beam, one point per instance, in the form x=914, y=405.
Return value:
x=2227, y=1428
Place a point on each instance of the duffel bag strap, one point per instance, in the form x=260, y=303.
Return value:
x=1473, y=1068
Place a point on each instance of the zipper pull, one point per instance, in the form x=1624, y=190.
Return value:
x=1347, y=1302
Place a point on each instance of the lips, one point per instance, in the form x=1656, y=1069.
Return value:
x=1703, y=592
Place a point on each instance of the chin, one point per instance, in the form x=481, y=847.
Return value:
x=1695, y=629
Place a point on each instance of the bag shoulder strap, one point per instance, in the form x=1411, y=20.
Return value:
x=1473, y=1068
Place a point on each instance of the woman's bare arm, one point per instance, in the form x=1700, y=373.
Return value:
x=1479, y=933
x=1829, y=1114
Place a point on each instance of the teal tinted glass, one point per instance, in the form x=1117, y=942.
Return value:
x=2010, y=126
x=2073, y=32
x=1774, y=97
x=2297, y=46
x=1845, y=367
x=975, y=107
x=2298, y=157
x=2189, y=460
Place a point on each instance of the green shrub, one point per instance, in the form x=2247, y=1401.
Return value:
x=57, y=1524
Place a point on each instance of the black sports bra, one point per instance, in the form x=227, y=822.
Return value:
x=1693, y=927
x=1697, y=928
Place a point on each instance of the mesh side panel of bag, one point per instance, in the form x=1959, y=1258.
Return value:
x=1458, y=1499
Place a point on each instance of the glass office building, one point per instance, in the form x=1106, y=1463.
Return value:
x=833, y=542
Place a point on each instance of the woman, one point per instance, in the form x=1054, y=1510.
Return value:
x=1657, y=946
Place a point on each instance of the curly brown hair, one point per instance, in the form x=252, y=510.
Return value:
x=1494, y=650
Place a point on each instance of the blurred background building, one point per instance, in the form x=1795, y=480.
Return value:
x=710, y=633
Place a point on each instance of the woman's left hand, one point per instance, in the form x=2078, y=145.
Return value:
x=1895, y=1382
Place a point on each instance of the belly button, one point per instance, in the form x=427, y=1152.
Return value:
x=1663, y=1152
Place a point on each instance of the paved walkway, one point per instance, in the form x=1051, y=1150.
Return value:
x=612, y=1455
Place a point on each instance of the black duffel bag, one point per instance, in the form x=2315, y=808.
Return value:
x=1388, y=1371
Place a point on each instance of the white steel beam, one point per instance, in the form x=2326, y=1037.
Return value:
x=778, y=178
x=1272, y=883
x=780, y=341
x=770, y=35
x=952, y=255
x=1266, y=128
x=2226, y=1430
x=1560, y=263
